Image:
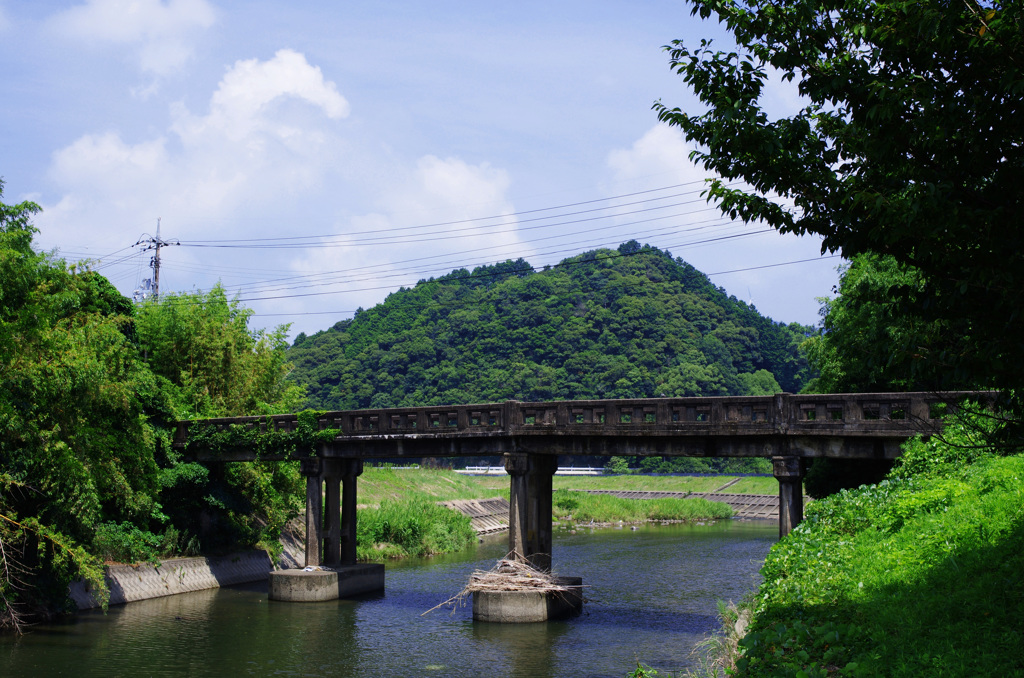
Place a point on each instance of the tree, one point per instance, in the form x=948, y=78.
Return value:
x=76, y=448
x=82, y=468
x=853, y=351
x=216, y=366
x=910, y=145
x=604, y=324
x=210, y=364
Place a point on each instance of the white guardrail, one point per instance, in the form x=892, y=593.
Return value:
x=562, y=470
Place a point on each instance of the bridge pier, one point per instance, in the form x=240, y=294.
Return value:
x=310, y=468
x=529, y=513
x=529, y=539
x=330, y=538
x=339, y=522
x=789, y=471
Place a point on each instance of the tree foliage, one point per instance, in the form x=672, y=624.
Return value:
x=853, y=351
x=85, y=465
x=75, y=445
x=201, y=344
x=605, y=324
x=909, y=145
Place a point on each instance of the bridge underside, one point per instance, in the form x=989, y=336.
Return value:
x=331, y=505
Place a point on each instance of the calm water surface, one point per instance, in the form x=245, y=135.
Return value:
x=651, y=595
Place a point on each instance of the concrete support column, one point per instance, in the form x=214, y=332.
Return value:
x=310, y=468
x=332, y=512
x=516, y=465
x=350, y=470
x=338, y=528
x=529, y=534
x=790, y=473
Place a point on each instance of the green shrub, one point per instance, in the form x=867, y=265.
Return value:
x=964, y=440
x=126, y=543
x=566, y=500
x=917, y=575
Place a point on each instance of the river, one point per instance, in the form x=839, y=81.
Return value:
x=651, y=595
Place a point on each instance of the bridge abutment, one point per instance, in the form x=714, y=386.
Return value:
x=789, y=471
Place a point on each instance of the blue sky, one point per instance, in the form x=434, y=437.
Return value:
x=410, y=138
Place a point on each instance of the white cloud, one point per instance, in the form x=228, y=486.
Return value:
x=162, y=31
x=238, y=108
x=248, y=149
x=713, y=244
x=454, y=188
x=660, y=156
x=435, y=190
x=270, y=146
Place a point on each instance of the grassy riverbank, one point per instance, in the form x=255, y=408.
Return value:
x=449, y=485
x=378, y=484
x=917, y=575
x=399, y=528
x=398, y=515
x=580, y=507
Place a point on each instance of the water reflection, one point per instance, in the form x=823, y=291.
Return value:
x=651, y=595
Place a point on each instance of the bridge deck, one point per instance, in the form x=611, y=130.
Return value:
x=861, y=425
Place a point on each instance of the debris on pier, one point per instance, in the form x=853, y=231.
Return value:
x=511, y=573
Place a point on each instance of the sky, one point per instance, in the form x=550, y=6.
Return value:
x=314, y=157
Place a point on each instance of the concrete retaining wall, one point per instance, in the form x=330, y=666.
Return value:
x=129, y=583
x=486, y=515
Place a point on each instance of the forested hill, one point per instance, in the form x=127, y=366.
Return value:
x=632, y=322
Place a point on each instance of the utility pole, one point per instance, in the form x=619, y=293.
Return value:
x=155, y=243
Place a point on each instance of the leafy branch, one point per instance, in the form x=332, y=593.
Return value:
x=262, y=438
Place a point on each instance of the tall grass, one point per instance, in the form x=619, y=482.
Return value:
x=603, y=508
x=410, y=527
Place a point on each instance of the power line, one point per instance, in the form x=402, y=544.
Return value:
x=625, y=284
x=476, y=219
x=320, y=279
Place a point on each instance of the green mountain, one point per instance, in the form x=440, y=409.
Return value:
x=626, y=323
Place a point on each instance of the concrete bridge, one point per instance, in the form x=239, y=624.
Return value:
x=786, y=428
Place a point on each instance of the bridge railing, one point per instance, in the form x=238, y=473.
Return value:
x=858, y=414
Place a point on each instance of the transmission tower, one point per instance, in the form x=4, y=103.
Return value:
x=154, y=243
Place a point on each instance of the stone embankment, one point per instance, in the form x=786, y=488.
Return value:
x=486, y=515
x=129, y=583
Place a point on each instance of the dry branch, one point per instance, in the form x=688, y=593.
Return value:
x=512, y=573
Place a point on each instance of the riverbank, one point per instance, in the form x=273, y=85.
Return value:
x=579, y=507
x=419, y=526
x=917, y=575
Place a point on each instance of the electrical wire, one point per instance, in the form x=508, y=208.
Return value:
x=624, y=284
